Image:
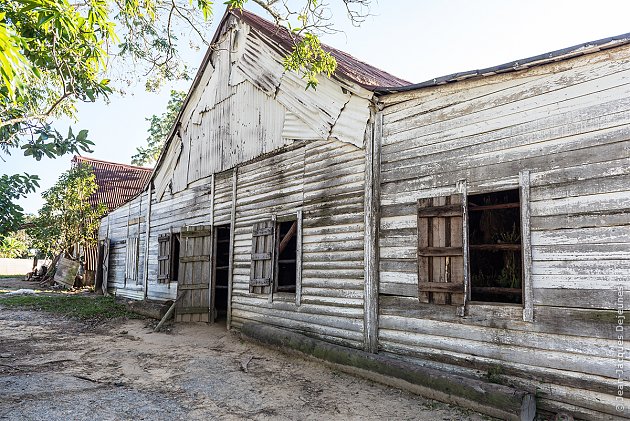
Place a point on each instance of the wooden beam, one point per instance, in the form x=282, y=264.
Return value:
x=231, y=252
x=440, y=211
x=188, y=259
x=499, y=246
x=497, y=400
x=288, y=236
x=475, y=208
x=196, y=233
x=462, y=188
x=440, y=251
x=373, y=135
x=298, y=261
x=441, y=286
x=528, y=287
x=213, y=247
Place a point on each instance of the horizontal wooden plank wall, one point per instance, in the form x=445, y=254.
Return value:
x=191, y=207
x=244, y=109
x=569, y=125
x=124, y=222
x=325, y=180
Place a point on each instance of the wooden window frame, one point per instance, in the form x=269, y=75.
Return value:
x=526, y=251
x=259, y=285
x=284, y=295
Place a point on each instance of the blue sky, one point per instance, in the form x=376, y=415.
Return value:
x=416, y=40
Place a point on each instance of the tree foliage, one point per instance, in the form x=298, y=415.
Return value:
x=15, y=245
x=56, y=53
x=13, y=188
x=67, y=218
x=158, y=130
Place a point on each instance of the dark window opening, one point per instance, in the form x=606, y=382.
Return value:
x=494, y=231
x=287, y=256
x=174, y=258
x=221, y=270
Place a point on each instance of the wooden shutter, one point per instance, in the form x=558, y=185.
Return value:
x=441, y=273
x=263, y=248
x=131, y=271
x=164, y=258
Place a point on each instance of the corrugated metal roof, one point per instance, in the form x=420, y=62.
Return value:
x=553, y=56
x=347, y=66
x=117, y=183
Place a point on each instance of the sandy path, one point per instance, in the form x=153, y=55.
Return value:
x=54, y=368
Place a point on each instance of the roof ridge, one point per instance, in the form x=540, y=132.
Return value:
x=135, y=167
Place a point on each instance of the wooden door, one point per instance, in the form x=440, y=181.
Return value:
x=194, y=274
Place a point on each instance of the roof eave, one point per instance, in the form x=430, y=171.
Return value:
x=517, y=65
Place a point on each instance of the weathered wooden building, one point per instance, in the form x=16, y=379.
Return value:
x=504, y=233
x=477, y=223
x=256, y=156
x=116, y=185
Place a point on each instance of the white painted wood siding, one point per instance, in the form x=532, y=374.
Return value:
x=126, y=222
x=569, y=125
x=324, y=179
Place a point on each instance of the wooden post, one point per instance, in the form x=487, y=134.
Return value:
x=231, y=254
x=273, y=282
x=298, y=260
x=373, y=137
x=213, y=244
x=462, y=188
x=105, y=259
x=146, y=242
x=127, y=245
x=169, y=313
x=526, y=247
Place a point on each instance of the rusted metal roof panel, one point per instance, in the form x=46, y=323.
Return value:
x=117, y=183
x=348, y=67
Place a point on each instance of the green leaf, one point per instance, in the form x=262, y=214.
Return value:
x=82, y=136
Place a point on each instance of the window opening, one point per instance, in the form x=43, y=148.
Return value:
x=287, y=256
x=494, y=231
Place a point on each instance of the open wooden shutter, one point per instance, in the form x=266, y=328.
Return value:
x=164, y=258
x=440, y=250
x=131, y=270
x=263, y=248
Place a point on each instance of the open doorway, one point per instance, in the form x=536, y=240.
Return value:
x=174, y=270
x=221, y=271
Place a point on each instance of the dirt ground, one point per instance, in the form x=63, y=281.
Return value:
x=56, y=368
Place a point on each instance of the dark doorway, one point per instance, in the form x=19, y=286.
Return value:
x=174, y=260
x=221, y=271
